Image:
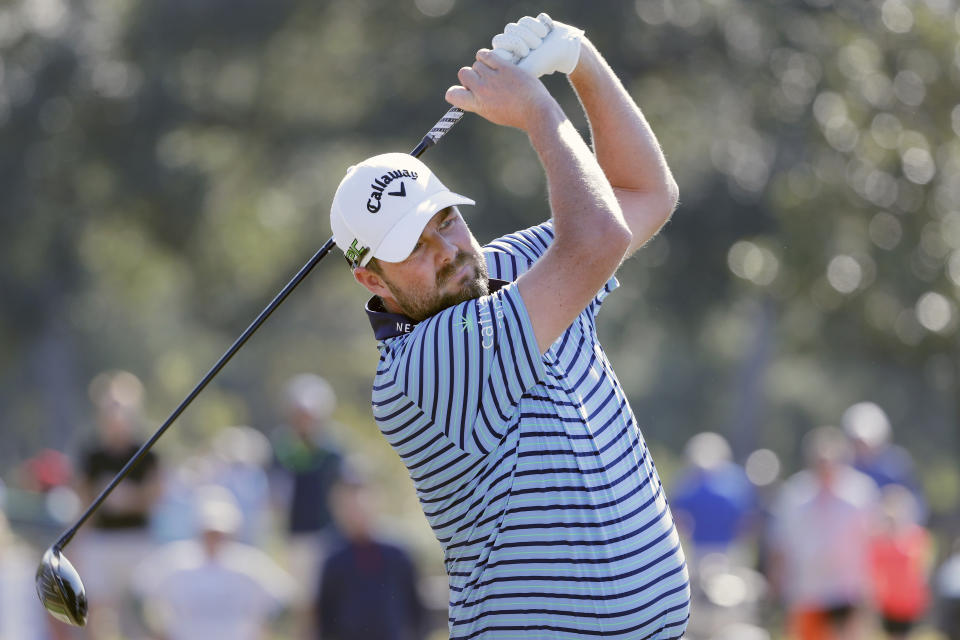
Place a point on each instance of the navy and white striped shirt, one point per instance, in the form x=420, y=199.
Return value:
x=530, y=468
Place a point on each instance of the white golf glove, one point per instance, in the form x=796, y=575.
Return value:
x=539, y=45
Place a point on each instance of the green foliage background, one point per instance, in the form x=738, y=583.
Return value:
x=165, y=167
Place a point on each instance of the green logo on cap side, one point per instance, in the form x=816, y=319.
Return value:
x=354, y=254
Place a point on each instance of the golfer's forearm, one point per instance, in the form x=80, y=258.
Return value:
x=585, y=210
x=590, y=234
x=626, y=147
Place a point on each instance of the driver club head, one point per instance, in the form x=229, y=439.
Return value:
x=60, y=588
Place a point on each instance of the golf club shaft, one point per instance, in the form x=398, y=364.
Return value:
x=433, y=136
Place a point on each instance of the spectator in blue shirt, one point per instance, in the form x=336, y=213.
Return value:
x=713, y=501
x=875, y=455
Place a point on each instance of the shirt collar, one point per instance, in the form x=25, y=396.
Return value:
x=390, y=325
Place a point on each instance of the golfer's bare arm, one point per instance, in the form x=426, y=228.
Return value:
x=625, y=146
x=590, y=233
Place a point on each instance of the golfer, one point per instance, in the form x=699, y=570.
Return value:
x=492, y=385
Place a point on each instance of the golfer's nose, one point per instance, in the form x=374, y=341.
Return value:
x=446, y=251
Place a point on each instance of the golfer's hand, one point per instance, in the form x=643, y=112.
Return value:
x=539, y=45
x=500, y=92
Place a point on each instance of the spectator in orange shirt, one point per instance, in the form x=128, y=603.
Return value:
x=900, y=555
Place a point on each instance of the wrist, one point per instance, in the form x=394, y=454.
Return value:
x=544, y=118
x=587, y=64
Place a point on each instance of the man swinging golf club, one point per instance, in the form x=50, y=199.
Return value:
x=492, y=385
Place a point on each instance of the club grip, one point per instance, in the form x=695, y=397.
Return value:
x=439, y=130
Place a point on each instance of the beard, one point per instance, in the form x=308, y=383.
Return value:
x=420, y=303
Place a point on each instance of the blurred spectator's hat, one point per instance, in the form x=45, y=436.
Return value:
x=310, y=393
x=826, y=444
x=116, y=389
x=242, y=445
x=899, y=504
x=867, y=422
x=355, y=472
x=708, y=450
x=217, y=510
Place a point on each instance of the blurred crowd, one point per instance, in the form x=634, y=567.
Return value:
x=840, y=550
x=277, y=534
x=259, y=534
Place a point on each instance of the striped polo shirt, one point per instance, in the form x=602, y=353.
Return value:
x=530, y=468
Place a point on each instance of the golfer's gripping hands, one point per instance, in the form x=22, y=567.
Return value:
x=539, y=45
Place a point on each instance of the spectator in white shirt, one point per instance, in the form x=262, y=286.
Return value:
x=213, y=587
x=822, y=523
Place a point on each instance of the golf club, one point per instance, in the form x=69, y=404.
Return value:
x=58, y=583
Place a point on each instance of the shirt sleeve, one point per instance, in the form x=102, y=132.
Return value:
x=595, y=304
x=511, y=255
x=464, y=370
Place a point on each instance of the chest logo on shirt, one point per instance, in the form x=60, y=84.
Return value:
x=465, y=325
x=487, y=315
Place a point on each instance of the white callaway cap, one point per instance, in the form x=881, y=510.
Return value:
x=382, y=206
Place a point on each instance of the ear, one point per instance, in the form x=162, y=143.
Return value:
x=372, y=281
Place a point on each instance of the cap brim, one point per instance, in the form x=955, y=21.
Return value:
x=400, y=240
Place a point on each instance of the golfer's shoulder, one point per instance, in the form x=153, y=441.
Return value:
x=510, y=255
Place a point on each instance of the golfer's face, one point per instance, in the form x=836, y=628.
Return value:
x=446, y=267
